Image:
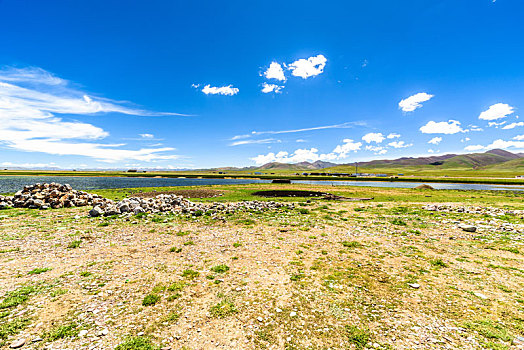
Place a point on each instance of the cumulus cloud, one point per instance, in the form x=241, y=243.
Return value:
x=373, y=137
x=413, y=102
x=513, y=125
x=449, y=127
x=228, y=90
x=503, y=144
x=33, y=103
x=393, y=136
x=275, y=71
x=497, y=111
x=147, y=136
x=519, y=137
x=309, y=155
x=310, y=67
x=435, y=140
x=267, y=88
x=474, y=148
x=399, y=144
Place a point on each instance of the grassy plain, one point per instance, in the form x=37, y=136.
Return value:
x=384, y=274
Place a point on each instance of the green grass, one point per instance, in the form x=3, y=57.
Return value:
x=38, y=270
x=10, y=328
x=17, y=297
x=66, y=331
x=136, y=343
x=489, y=329
x=351, y=244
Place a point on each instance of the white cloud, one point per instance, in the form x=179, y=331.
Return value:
x=497, y=111
x=373, y=137
x=310, y=67
x=465, y=139
x=495, y=124
x=393, y=136
x=519, y=137
x=413, y=102
x=348, y=146
x=275, y=71
x=373, y=148
x=223, y=90
x=300, y=140
x=267, y=88
x=518, y=144
x=513, y=125
x=449, y=127
x=399, y=144
x=255, y=142
x=309, y=155
x=29, y=165
x=31, y=99
x=147, y=136
x=435, y=140
x=474, y=148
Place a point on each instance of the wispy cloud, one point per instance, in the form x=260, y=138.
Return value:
x=276, y=132
x=513, y=125
x=413, y=102
x=251, y=142
x=32, y=104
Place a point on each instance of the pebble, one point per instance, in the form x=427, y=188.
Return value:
x=293, y=314
x=414, y=285
x=480, y=295
x=18, y=344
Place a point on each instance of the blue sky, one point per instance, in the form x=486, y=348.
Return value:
x=178, y=84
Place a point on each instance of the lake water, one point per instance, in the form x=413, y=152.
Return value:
x=15, y=183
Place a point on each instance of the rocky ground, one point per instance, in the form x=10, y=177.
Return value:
x=318, y=275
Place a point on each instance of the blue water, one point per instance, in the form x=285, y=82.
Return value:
x=15, y=183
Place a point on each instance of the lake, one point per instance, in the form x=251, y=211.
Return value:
x=15, y=183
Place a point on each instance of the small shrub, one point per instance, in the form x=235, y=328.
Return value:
x=190, y=274
x=438, y=263
x=189, y=243
x=182, y=233
x=303, y=211
x=399, y=222
x=150, y=299
x=85, y=273
x=220, y=268
x=237, y=244
x=176, y=286
x=175, y=250
x=74, y=244
x=296, y=277
x=358, y=337
x=223, y=309
x=351, y=244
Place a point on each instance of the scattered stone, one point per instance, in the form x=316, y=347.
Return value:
x=414, y=285
x=424, y=187
x=17, y=344
x=480, y=295
x=468, y=228
x=82, y=333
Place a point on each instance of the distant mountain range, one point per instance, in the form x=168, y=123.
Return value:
x=492, y=158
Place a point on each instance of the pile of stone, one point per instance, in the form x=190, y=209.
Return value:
x=170, y=203
x=472, y=210
x=52, y=195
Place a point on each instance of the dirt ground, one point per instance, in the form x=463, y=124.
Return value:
x=327, y=275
